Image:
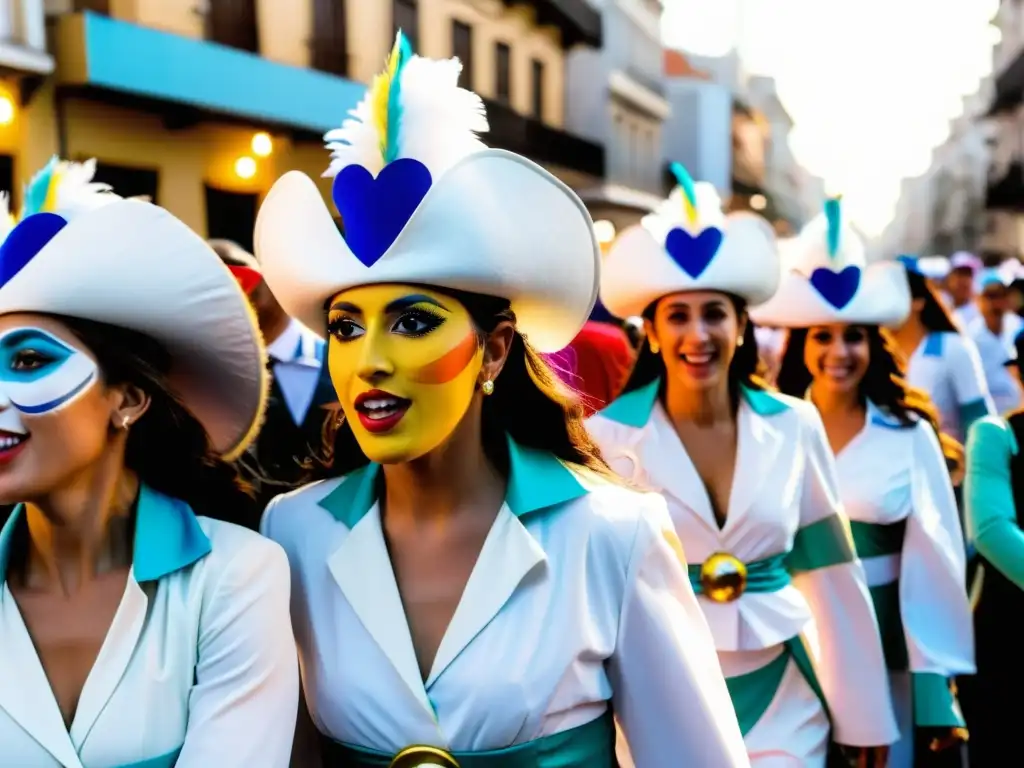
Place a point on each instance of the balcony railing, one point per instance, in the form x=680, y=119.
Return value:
x=575, y=19
x=532, y=138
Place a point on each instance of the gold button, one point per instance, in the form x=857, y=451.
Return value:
x=723, y=578
x=424, y=757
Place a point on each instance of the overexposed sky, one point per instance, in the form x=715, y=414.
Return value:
x=871, y=84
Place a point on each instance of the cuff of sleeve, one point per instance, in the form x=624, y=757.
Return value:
x=935, y=704
x=821, y=544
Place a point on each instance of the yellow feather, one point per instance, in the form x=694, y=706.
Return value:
x=691, y=211
x=381, y=94
x=51, y=192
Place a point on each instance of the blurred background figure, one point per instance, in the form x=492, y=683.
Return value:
x=995, y=331
x=960, y=286
x=598, y=361
x=301, y=396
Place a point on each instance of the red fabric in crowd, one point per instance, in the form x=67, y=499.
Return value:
x=596, y=364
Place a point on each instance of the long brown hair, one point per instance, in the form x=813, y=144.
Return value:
x=746, y=369
x=934, y=315
x=884, y=384
x=529, y=404
x=168, y=448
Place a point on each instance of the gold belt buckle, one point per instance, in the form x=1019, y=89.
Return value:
x=723, y=578
x=420, y=756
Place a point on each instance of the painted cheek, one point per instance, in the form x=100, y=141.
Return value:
x=447, y=367
x=54, y=390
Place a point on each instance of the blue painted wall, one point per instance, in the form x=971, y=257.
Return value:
x=160, y=65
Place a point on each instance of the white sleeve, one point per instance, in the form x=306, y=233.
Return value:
x=243, y=705
x=967, y=373
x=844, y=638
x=934, y=605
x=668, y=691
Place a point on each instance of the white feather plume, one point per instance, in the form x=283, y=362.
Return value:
x=77, y=193
x=671, y=213
x=439, y=122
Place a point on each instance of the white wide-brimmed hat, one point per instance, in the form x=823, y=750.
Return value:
x=423, y=201
x=826, y=279
x=80, y=251
x=689, y=244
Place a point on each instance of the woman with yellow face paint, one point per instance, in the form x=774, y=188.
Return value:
x=472, y=587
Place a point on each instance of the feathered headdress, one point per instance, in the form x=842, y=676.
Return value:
x=58, y=193
x=691, y=206
x=414, y=123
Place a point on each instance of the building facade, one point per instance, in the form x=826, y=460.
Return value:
x=698, y=133
x=1004, y=196
x=615, y=96
x=202, y=104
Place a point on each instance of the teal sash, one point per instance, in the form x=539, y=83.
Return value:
x=753, y=692
x=768, y=575
x=164, y=761
x=591, y=745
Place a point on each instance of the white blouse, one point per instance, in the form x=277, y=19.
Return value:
x=198, y=668
x=909, y=483
x=784, y=498
x=578, y=587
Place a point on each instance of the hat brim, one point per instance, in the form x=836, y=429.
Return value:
x=132, y=264
x=882, y=298
x=638, y=270
x=495, y=223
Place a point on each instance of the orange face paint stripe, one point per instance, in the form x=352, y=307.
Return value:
x=449, y=365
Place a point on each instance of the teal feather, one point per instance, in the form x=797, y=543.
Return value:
x=394, y=98
x=37, y=189
x=833, y=214
x=685, y=181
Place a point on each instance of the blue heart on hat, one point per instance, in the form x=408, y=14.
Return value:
x=27, y=239
x=693, y=254
x=374, y=211
x=837, y=288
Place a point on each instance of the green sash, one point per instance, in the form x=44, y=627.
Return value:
x=753, y=692
x=768, y=575
x=164, y=761
x=591, y=745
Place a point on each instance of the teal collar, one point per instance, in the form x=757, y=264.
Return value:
x=633, y=409
x=537, y=480
x=883, y=418
x=168, y=537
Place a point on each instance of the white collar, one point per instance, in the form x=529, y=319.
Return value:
x=295, y=344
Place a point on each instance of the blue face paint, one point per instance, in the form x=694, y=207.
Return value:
x=40, y=373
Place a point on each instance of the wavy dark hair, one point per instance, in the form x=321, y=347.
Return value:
x=884, y=384
x=167, y=447
x=529, y=404
x=934, y=315
x=746, y=369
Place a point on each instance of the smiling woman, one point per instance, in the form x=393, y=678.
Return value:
x=131, y=370
x=466, y=516
x=904, y=522
x=749, y=480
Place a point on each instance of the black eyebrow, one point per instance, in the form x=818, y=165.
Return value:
x=344, y=306
x=415, y=298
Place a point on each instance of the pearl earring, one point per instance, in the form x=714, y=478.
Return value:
x=487, y=387
x=655, y=347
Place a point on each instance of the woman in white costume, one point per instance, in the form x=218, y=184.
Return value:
x=472, y=585
x=941, y=360
x=893, y=477
x=138, y=628
x=749, y=481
